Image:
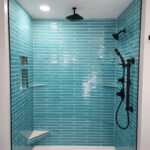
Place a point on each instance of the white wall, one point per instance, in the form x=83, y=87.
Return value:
x=4, y=79
x=144, y=83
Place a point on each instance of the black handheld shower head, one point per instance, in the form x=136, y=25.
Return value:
x=117, y=52
x=121, y=57
x=116, y=35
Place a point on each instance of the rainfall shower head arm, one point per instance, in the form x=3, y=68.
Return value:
x=74, y=10
x=116, y=35
x=122, y=31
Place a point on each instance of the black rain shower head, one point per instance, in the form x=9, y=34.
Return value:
x=74, y=17
x=116, y=35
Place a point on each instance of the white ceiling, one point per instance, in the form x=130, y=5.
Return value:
x=87, y=8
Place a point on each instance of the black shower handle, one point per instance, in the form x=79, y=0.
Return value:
x=121, y=94
x=121, y=80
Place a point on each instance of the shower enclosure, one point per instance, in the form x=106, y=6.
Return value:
x=68, y=86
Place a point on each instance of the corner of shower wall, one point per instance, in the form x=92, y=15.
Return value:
x=22, y=99
x=129, y=47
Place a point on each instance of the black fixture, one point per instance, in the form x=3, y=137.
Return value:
x=122, y=59
x=74, y=17
x=116, y=35
x=121, y=80
x=121, y=94
x=129, y=63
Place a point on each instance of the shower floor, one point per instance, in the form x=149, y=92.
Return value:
x=73, y=148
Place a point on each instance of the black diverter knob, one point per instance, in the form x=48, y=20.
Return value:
x=121, y=94
x=121, y=80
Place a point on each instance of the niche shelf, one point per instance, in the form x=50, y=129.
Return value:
x=24, y=67
x=110, y=86
x=38, y=85
x=108, y=63
x=37, y=136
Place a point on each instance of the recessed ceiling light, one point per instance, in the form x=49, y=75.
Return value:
x=44, y=8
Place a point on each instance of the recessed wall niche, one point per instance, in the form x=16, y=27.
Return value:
x=23, y=73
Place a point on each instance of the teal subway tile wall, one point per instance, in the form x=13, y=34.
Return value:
x=129, y=47
x=76, y=62
x=22, y=100
x=77, y=70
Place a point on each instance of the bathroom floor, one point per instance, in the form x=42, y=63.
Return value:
x=74, y=148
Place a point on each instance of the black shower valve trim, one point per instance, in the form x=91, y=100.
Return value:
x=121, y=80
x=121, y=94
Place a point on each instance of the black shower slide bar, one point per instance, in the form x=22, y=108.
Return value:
x=128, y=65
